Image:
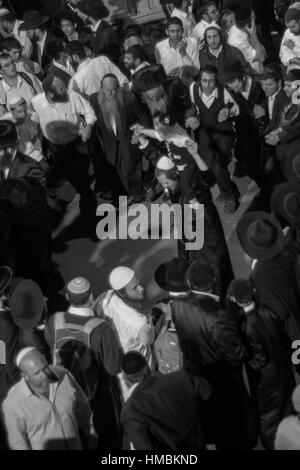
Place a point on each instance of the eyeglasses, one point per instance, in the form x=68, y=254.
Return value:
x=4, y=66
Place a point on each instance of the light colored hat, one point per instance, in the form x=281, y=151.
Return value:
x=120, y=277
x=78, y=286
x=15, y=101
x=165, y=163
x=23, y=353
x=4, y=12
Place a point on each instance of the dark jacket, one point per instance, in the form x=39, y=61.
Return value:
x=227, y=54
x=118, y=150
x=269, y=368
x=105, y=42
x=50, y=49
x=280, y=104
x=211, y=346
x=9, y=346
x=162, y=412
x=276, y=286
x=25, y=167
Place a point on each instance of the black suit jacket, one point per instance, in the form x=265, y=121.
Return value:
x=162, y=410
x=50, y=48
x=105, y=42
x=25, y=167
x=280, y=103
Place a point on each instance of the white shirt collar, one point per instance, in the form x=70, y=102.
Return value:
x=8, y=87
x=215, y=52
x=96, y=26
x=272, y=98
x=83, y=64
x=206, y=294
x=81, y=311
x=213, y=96
x=142, y=65
x=41, y=43
x=177, y=12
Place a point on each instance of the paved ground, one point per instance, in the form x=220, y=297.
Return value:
x=76, y=254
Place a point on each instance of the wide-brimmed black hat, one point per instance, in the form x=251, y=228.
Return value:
x=272, y=70
x=233, y=69
x=26, y=304
x=285, y=202
x=170, y=276
x=33, y=19
x=241, y=289
x=93, y=7
x=200, y=276
x=260, y=235
x=65, y=14
x=149, y=77
x=8, y=134
x=290, y=162
x=242, y=13
x=6, y=275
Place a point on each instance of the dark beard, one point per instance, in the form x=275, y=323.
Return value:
x=135, y=304
x=56, y=98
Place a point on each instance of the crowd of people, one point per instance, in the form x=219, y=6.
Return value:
x=210, y=365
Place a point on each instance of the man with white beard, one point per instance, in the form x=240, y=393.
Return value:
x=121, y=163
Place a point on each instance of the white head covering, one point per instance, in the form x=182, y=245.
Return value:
x=15, y=100
x=165, y=163
x=78, y=286
x=120, y=277
x=4, y=12
x=22, y=354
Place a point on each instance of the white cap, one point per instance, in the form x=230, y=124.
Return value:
x=4, y=12
x=120, y=277
x=78, y=286
x=15, y=100
x=165, y=163
x=23, y=353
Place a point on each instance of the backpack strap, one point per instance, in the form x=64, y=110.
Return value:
x=89, y=327
x=27, y=80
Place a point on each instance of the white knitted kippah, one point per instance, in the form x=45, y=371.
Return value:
x=120, y=277
x=165, y=163
x=15, y=100
x=23, y=353
x=78, y=285
x=4, y=12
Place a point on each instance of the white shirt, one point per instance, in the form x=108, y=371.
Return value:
x=60, y=122
x=88, y=77
x=41, y=43
x=240, y=40
x=187, y=20
x=171, y=59
x=288, y=434
x=29, y=139
x=96, y=26
x=199, y=30
x=287, y=54
x=22, y=89
x=216, y=52
x=247, y=90
x=81, y=311
x=67, y=69
x=271, y=101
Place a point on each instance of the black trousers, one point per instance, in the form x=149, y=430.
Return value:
x=71, y=161
x=215, y=148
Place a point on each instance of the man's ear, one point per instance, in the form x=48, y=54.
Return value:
x=167, y=32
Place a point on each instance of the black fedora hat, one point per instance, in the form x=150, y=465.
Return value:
x=170, y=276
x=33, y=19
x=6, y=275
x=290, y=162
x=260, y=235
x=26, y=304
x=93, y=7
x=285, y=202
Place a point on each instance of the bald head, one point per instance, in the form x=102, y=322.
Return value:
x=35, y=370
x=110, y=86
x=29, y=359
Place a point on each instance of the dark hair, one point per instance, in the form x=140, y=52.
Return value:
x=135, y=366
x=109, y=75
x=55, y=48
x=76, y=48
x=11, y=43
x=203, y=8
x=210, y=69
x=9, y=17
x=48, y=82
x=292, y=14
x=177, y=3
x=79, y=299
x=138, y=52
x=174, y=20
